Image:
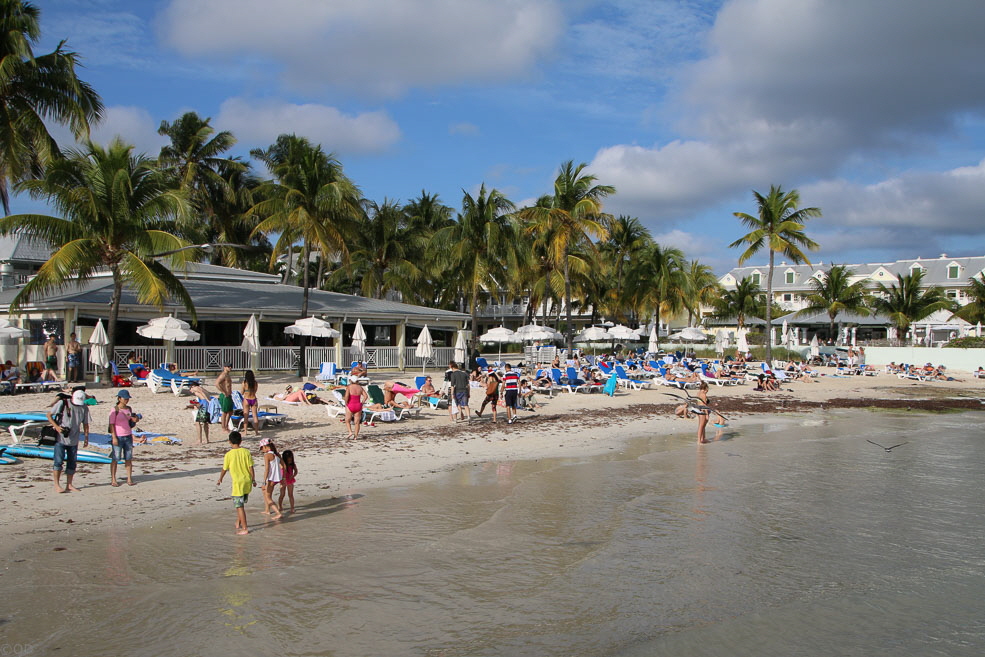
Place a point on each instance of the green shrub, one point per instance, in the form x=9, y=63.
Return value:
x=967, y=343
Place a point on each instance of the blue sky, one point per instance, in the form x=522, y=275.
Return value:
x=874, y=111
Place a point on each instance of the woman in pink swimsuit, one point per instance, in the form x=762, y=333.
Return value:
x=355, y=395
x=250, y=405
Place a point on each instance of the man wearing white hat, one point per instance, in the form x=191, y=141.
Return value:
x=70, y=420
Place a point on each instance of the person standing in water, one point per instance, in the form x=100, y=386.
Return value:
x=700, y=407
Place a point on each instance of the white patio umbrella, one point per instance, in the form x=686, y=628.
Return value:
x=654, y=344
x=359, y=340
x=168, y=328
x=740, y=341
x=461, y=350
x=251, y=336
x=533, y=332
x=620, y=332
x=815, y=347
x=499, y=335
x=97, y=349
x=425, y=347
x=9, y=331
x=171, y=330
x=593, y=334
x=309, y=326
x=693, y=333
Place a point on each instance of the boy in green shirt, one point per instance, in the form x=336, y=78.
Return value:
x=239, y=462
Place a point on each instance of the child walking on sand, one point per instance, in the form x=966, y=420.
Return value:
x=239, y=463
x=272, y=476
x=289, y=471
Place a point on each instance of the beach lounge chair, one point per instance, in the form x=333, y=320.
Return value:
x=327, y=372
x=542, y=389
x=161, y=380
x=623, y=378
x=134, y=380
x=580, y=384
x=336, y=406
x=376, y=397
x=562, y=382
x=483, y=363
x=265, y=417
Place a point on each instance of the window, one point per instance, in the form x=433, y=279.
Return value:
x=790, y=277
x=952, y=294
x=755, y=278
x=42, y=328
x=788, y=297
x=953, y=271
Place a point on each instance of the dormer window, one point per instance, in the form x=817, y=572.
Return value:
x=953, y=271
x=790, y=277
x=755, y=278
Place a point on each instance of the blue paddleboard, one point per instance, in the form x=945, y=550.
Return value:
x=44, y=452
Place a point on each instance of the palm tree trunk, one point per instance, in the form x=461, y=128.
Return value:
x=769, y=311
x=304, y=304
x=114, y=314
x=474, y=309
x=321, y=268
x=290, y=260
x=568, y=333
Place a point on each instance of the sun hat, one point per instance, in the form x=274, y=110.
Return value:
x=79, y=398
x=264, y=442
x=123, y=394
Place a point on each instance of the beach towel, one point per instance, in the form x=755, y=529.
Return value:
x=610, y=385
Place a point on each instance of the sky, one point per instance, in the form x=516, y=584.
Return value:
x=873, y=110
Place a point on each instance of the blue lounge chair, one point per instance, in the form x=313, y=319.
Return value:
x=160, y=380
x=327, y=372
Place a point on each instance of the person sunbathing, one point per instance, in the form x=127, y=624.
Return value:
x=299, y=396
x=393, y=388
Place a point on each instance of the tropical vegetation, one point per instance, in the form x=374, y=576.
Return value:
x=835, y=293
x=908, y=301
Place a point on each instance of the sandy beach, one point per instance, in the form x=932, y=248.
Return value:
x=169, y=479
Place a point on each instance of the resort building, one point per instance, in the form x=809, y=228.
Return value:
x=792, y=283
x=224, y=299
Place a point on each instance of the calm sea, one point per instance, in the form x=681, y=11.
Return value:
x=787, y=537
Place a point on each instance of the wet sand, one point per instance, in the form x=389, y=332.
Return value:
x=171, y=479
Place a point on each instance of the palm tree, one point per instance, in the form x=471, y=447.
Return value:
x=477, y=248
x=835, y=294
x=739, y=303
x=627, y=238
x=380, y=253
x=906, y=302
x=779, y=227
x=310, y=200
x=33, y=91
x=700, y=288
x=573, y=214
x=116, y=208
x=655, y=281
x=974, y=310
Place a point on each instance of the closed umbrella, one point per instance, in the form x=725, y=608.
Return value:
x=720, y=341
x=425, y=347
x=978, y=330
x=460, y=348
x=654, y=345
x=251, y=336
x=815, y=348
x=740, y=341
x=359, y=341
x=784, y=335
x=499, y=335
x=97, y=348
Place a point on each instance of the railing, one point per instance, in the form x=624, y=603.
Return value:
x=502, y=310
x=438, y=362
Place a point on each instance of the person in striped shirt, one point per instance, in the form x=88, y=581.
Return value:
x=511, y=387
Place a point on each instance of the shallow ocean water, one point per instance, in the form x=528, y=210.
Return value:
x=790, y=536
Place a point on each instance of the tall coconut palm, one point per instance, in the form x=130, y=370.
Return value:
x=627, y=238
x=834, y=294
x=573, y=214
x=310, y=199
x=908, y=301
x=35, y=90
x=477, y=247
x=655, y=281
x=116, y=207
x=381, y=251
x=739, y=303
x=700, y=288
x=779, y=228
x=974, y=310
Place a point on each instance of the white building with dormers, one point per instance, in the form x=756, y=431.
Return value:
x=792, y=283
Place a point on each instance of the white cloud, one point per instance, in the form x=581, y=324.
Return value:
x=791, y=93
x=260, y=123
x=133, y=125
x=370, y=46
